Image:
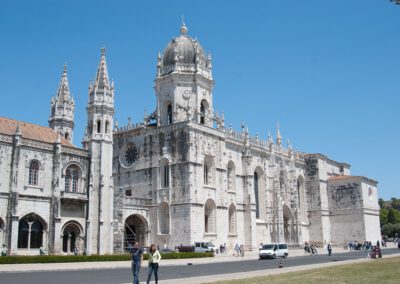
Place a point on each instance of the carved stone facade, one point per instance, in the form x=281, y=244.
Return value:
x=54, y=195
x=182, y=176
x=178, y=177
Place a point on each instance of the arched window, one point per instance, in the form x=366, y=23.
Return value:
x=256, y=195
x=72, y=175
x=107, y=126
x=259, y=193
x=231, y=176
x=36, y=234
x=206, y=181
x=208, y=170
x=66, y=136
x=203, y=111
x=169, y=114
x=34, y=173
x=209, y=216
x=164, y=173
x=99, y=126
x=30, y=232
x=232, y=219
x=23, y=234
x=74, y=181
x=67, y=180
x=301, y=202
x=164, y=218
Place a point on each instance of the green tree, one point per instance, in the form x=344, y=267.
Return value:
x=381, y=203
x=383, y=216
x=395, y=203
x=391, y=217
x=388, y=230
x=396, y=230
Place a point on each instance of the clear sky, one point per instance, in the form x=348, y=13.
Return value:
x=327, y=71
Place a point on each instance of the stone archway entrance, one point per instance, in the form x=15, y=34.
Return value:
x=135, y=231
x=287, y=224
x=71, y=238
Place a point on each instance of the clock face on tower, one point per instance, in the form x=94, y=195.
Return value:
x=128, y=155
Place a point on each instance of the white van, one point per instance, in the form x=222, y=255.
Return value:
x=273, y=250
x=204, y=247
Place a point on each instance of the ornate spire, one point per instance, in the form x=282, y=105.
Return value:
x=62, y=109
x=278, y=135
x=270, y=137
x=102, y=80
x=63, y=93
x=183, y=29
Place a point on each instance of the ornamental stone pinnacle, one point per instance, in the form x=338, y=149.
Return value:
x=62, y=109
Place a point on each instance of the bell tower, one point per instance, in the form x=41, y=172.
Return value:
x=184, y=83
x=62, y=109
x=98, y=141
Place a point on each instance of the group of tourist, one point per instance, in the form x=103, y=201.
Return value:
x=366, y=245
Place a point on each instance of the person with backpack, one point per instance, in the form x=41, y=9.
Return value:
x=154, y=259
x=137, y=257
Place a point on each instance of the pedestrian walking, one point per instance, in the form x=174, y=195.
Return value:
x=237, y=249
x=154, y=259
x=137, y=257
x=329, y=249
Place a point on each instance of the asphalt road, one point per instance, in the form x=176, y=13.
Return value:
x=117, y=276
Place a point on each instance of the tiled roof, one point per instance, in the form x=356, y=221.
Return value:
x=342, y=177
x=31, y=131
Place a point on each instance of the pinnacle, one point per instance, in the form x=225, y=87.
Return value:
x=102, y=80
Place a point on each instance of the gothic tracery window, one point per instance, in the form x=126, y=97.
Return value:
x=30, y=232
x=72, y=175
x=34, y=173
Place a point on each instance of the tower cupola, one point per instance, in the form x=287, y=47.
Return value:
x=184, y=82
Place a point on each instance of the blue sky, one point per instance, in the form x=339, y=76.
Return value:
x=327, y=71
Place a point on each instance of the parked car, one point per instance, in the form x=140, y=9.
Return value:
x=204, y=247
x=273, y=251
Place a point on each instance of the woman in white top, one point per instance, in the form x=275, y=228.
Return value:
x=154, y=259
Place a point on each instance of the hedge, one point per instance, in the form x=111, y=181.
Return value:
x=17, y=259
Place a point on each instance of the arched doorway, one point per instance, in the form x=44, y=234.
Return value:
x=71, y=237
x=287, y=224
x=135, y=231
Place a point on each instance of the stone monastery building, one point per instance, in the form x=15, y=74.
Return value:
x=178, y=177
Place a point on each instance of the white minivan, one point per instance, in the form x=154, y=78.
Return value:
x=204, y=247
x=273, y=250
